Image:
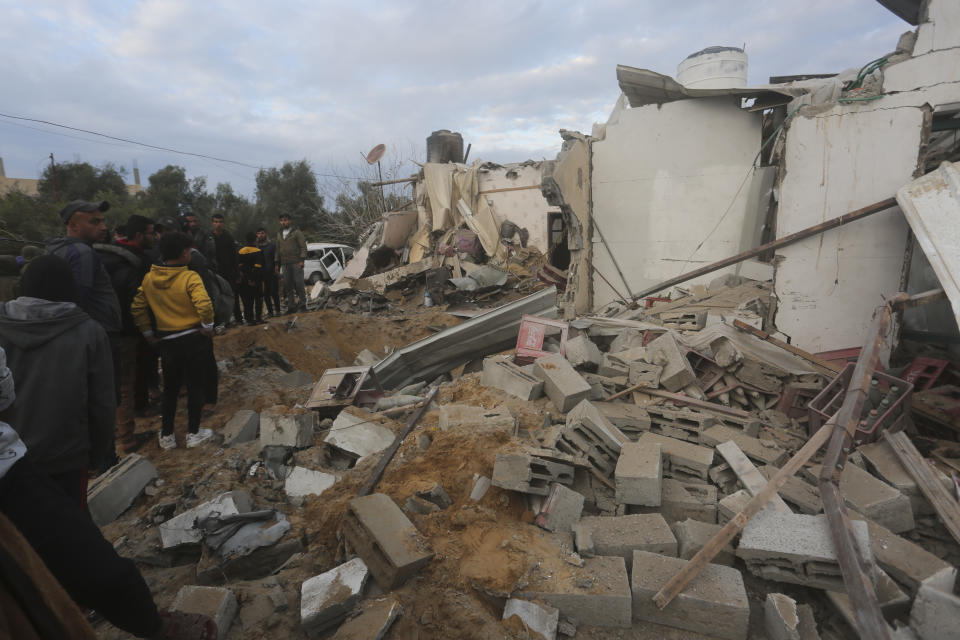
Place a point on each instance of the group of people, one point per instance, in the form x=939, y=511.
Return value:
x=81, y=344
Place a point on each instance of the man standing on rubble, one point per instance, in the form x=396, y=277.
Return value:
x=203, y=240
x=226, y=251
x=271, y=286
x=291, y=252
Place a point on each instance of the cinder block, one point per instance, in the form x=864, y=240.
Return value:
x=526, y=474
x=714, y=603
x=724, y=477
x=387, y=541
x=780, y=616
x=601, y=386
x=760, y=451
x=682, y=424
x=692, y=535
x=885, y=464
x=561, y=382
x=372, y=624
x=561, y=510
x=588, y=434
x=596, y=594
x=326, y=599
x=471, y=418
x=356, y=432
x=182, y=529
x=684, y=321
x=613, y=367
x=667, y=352
x=278, y=427
x=681, y=460
x=796, y=548
x=935, y=614
x=639, y=475
x=582, y=352
x=626, y=339
x=800, y=494
x=641, y=372
x=622, y=535
x=307, y=482
x=682, y=500
x=731, y=505
x=628, y=417
x=542, y=620
x=215, y=602
x=113, y=492
x=242, y=427
x=873, y=498
x=502, y=374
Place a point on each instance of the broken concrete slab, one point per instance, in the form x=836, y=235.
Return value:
x=500, y=373
x=366, y=358
x=561, y=382
x=666, y=352
x=590, y=436
x=682, y=500
x=639, y=475
x=182, y=529
x=713, y=603
x=622, y=535
x=357, y=432
x=280, y=427
x=692, y=535
x=561, y=510
x=731, y=505
x=613, y=367
x=539, y=619
x=935, y=614
x=641, y=372
x=527, y=474
x=372, y=624
x=243, y=426
x=628, y=417
x=748, y=475
x=385, y=538
x=894, y=603
x=596, y=594
x=872, y=497
x=326, y=599
x=112, y=493
x=885, y=464
x=471, y=418
x=798, y=493
x=295, y=379
x=216, y=602
x=582, y=352
x=307, y=482
x=681, y=460
x=780, y=616
x=759, y=450
x=682, y=424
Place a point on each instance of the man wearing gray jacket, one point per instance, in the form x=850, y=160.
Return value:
x=291, y=252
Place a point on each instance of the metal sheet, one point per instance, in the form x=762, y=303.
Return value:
x=642, y=86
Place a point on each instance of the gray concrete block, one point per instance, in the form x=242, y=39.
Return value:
x=182, y=529
x=385, y=538
x=627, y=339
x=326, y=599
x=798, y=493
x=527, y=474
x=682, y=500
x=596, y=594
x=713, y=603
x=622, y=535
x=112, y=493
x=356, y=432
x=500, y=373
x=731, y=505
x=758, y=450
x=641, y=372
x=639, y=475
x=626, y=416
x=684, y=320
x=540, y=619
x=682, y=424
x=243, y=426
x=295, y=379
x=884, y=463
x=589, y=435
x=366, y=358
x=582, y=352
x=681, y=460
x=613, y=367
x=561, y=510
x=372, y=624
x=561, y=382
x=873, y=497
x=471, y=418
x=307, y=482
x=796, y=548
x=935, y=614
x=667, y=352
x=215, y=602
x=894, y=603
x=280, y=427
x=692, y=535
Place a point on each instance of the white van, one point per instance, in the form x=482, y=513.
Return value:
x=325, y=261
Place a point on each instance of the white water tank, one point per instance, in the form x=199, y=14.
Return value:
x=714, y=68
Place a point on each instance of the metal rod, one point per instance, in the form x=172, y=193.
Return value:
x=613, y=259
x=602, y=277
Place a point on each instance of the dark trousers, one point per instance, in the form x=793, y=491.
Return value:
x=146, y=374
x=252, y=300
x=293, y=283
x=186, y=360
x=271, y=292
x=70, y=544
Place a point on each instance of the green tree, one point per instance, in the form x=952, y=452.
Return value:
x=357, y=208
x=67, y=181
x=240, y=214
x=292, y=188
x=29, y=217
x=172, y=194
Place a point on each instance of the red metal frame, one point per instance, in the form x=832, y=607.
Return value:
x=533, y=330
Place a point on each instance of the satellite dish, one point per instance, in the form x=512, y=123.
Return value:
x=376, y=153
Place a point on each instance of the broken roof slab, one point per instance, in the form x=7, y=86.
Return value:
x=642, y=86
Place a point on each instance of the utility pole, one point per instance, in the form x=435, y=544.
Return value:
x=53, y=176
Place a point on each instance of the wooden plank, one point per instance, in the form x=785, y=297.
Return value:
x=676, y=397
x=524, y=188
x=683, y=577
x=750, y=477
x=919, y=469
x=828, y=368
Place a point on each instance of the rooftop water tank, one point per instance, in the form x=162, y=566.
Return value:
x=714, y=68
x=445, y=146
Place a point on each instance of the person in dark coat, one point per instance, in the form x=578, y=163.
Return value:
x=252, y=266
x=271, y=283
x=226, y=250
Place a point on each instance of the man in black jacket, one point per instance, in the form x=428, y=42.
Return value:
x=271, y=284
x=226, y=251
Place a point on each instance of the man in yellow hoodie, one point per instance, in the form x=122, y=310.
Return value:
x=183, y=314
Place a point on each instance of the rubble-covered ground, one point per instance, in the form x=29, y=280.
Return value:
x=489, y=549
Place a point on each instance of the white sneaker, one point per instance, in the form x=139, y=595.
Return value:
x=168, y=442
x=198, y=438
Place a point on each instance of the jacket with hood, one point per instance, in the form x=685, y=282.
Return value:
x=60, y=361
x=126, y=264
x=95, y=293
x=177, y=298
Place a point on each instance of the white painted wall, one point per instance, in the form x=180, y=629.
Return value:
x=941, y=29
x=525, y=207
x=662, y=179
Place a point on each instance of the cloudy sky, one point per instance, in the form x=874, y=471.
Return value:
x=263, y=82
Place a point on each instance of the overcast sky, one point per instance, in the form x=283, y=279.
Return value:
x=264, y=82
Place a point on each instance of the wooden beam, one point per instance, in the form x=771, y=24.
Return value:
x=749, y=476
x=384, y=183
x=682, y=399
x=524, y=188
x=827, y=368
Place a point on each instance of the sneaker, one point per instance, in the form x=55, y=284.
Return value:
x=168, y=442
x=198, y=438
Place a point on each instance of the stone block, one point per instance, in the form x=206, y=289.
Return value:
x=278, y=427
x=366, y=358
x=639, y=475
x=873, y=498
x=596, y=594
x=356, y=432
x=713, y=603
x=372, y=624
x=561, y=510
x=641, y=372
x=480, y=486
x=471, y=418
x=542, y=620
x=326, y=599
x=724, y=477
x=682, y=424
x=628, y=417
x=385, y=538
x=307, y=482
x=935, y=614
x=622, y=535
x=796, y=548
x=582, y=352
x=243, y=426
x=527, y=474
x=215, y=602
x=561, y=382
x=731, y=505
x=682, y=500
x=613, y=367
x=502, y=374
x=112, y=493
x=780, y=617
x=681, y=460
x=182, y=529
x=758, y=450
x=692, y=535
x=666, y=352
x=797, y=492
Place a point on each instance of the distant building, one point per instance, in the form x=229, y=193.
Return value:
x=28, y=186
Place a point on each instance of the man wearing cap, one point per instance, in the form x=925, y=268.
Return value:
x=291, y=252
